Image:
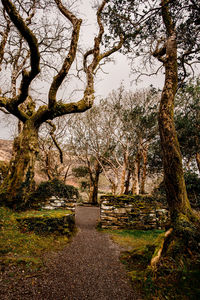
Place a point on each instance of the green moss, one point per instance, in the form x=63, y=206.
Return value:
x=24, y=247
x=45, y=222
x=137, y=201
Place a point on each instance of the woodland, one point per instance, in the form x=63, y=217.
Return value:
x=134, y=142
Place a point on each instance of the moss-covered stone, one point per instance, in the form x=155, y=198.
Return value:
x=44, y=222
x=133, y=212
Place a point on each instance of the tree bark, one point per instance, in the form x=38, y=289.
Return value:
x=94, y=182
x=198, y=160
x=124, y=169
x=127, y=182
x=19, y=183
x=136, y=188
x=144, y=169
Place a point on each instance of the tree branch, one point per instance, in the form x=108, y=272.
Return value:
x=58, y=79
x=27, y=76
x=55, y=140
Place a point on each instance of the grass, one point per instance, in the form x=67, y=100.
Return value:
x=26, y=248
x=134, y=239
x=43, y=213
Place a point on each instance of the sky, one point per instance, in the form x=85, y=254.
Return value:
x=114, y=74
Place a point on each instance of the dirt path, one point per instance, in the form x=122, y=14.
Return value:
x=88, y=268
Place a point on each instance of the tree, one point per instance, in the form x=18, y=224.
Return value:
x=168, y=31
x=133, y=127
x=91, y=142
x=158, y=31
x=20, y=181
x=53, y=159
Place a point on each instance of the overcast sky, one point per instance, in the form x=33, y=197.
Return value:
x=117, y=72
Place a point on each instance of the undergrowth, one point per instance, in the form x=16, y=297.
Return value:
x=175, y=278
x=27, y=248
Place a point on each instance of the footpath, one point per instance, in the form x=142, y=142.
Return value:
x=88, y=268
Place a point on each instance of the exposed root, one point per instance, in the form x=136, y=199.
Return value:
x=155, y=260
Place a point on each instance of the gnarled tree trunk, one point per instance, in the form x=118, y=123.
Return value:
x=172, y=160
x=19, y=183
x=183, y=238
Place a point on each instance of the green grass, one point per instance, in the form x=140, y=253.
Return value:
x=18, y=247
x=135, y=239
x=43, y=213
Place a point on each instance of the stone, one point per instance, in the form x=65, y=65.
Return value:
x=132, y=212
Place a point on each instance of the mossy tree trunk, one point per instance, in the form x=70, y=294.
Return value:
x=179, y=206
x=19, y=182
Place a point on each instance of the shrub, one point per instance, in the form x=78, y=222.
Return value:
x=51, y=188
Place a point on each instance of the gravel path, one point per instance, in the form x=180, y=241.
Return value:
x=88, y=268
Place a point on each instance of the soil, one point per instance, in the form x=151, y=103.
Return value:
x=87, y=268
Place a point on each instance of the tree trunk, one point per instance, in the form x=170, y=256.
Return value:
x=94, y=182
x=182, y=240
x=136, y=188
x=124, y=169
x=144, y=169
x=177, y=199
x=198, y=160
x=19, y=183
x=127, y=182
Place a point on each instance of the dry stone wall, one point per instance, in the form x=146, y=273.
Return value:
x=132, y=212
x=59, y=203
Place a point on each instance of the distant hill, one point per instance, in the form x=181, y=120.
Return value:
x=5, y=150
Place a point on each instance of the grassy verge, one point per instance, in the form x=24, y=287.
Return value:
x=25, y=248
x=172, y=280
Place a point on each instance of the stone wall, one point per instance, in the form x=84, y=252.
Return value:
x=42, y=222
x=132, y=212
x=59, y=203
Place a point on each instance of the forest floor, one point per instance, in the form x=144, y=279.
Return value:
x=87, y=268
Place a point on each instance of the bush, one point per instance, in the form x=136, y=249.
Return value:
x=51, y=188
x=80, y=171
